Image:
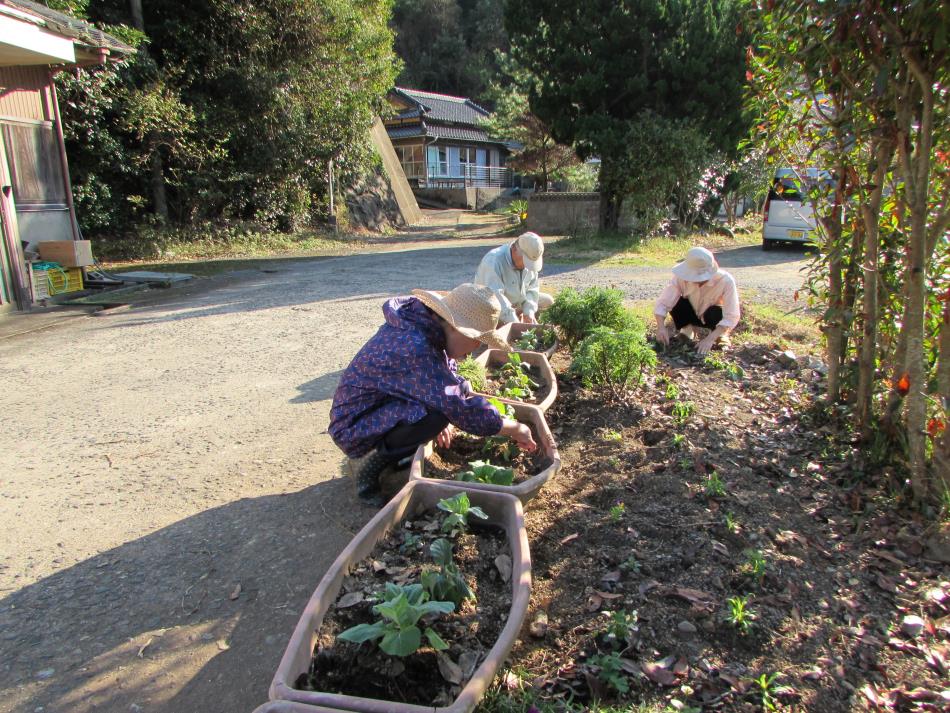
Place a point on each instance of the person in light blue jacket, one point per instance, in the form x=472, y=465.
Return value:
x=512, y=271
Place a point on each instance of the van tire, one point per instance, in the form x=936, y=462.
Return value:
x=767, y=244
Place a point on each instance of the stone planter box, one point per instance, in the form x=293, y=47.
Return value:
x=493, y=358
x=513, y=331
x=292, y=707
x=503, y=510
x=526, y=489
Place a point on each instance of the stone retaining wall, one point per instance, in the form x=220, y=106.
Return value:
x=568, y=213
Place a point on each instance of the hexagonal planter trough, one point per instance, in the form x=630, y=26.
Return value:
x=432, y=464
x=503, y=594
x=544, y=396
x=513, y=332
x=292, y=707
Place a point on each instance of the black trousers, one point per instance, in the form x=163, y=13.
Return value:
x=683, y=314
x=403, y=440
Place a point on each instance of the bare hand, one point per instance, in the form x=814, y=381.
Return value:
x=444, y=439
x=663, y=335
x=524, y=439
x=705, y=345
x=529, y=320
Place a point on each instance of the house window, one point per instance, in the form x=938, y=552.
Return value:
x=410, y=157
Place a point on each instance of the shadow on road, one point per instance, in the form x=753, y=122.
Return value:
x=319, y=389
x=170, y=597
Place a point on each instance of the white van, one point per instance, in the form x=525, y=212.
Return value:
x=788, y=217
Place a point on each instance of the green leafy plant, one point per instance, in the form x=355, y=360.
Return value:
x=447, y=583
x=577, y=315
x=610, y=671
x=731, y=523
x=459, y=508
x=755, y=564
x=517, y=211
x=410, y=541
x=714, y=487
x=740, y=615
x=484, y=472
x=678, y=440
x=617, y=511
x=612, y=435
x=631, y=564
x=621, y=625
x=616, y=359
x=767, y=690
x=401, y=609
x=682, y=410
x=515, y=382
x=474, y=372
x=672, y=391
x=733, y=371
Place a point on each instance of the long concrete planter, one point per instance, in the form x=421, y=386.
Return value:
x=493, y=358
x=526, y=489
x=292, y=707
x=513, y=331
x=502, y=509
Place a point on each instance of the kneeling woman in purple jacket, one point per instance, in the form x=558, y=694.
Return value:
x=402, y=390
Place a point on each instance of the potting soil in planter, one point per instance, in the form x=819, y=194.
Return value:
x=448, y=463
x=494, y=381
x=426, y=677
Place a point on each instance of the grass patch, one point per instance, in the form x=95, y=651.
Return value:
x=211, y=252
x=764, y=323
x=627, y=249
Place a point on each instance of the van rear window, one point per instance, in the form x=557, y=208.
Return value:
x=785, y=189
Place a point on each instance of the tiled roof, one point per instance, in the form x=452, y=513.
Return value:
x=404, y=132
x=78, y=30
x=459, y=133
x=442, y=107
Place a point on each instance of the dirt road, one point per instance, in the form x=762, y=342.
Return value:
x=170, y=498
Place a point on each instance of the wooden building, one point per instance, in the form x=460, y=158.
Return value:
x=35, y=194
x=441, y=141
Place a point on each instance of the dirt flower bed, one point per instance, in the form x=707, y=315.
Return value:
x=713, y=543
x=427, y=677
x=540, y=388
x=447, y=463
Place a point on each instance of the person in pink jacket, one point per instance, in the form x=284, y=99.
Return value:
x=699, y=295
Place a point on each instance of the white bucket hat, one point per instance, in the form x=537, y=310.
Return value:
x=699, y=265
x=532, y=248
x=471, y=309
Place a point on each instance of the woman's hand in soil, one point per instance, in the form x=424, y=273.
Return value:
x=705, y=345
x=530, y=319
x=662, y=333
x=444, y=439
x=520, y=434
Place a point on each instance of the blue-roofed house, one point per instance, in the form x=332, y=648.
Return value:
x=441, y=142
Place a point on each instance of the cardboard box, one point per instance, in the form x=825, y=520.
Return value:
x=68, y=253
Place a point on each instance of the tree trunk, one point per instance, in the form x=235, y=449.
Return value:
x=866, y=361
x=138, y=19
x=942, y=443
x=610, y=199
x=159, y=199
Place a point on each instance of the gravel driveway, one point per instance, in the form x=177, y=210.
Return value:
x=170, y=497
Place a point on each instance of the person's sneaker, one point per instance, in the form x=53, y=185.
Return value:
x=367, y=479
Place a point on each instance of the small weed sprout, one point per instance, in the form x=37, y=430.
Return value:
x=678, y=440
x=767, y=691
x=754, y=565
x=733, y=371
x=612, y=435
x=631, y=564
x=610, y=671
x=740, y=615
x=459, y=508
x=617, y=511
x=714, y=487
x=400, y=611
x=621, y=626
x=672, y=391
x=682, y=410
x=732, y=525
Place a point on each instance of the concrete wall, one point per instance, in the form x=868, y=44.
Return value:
x=568, y=213
x=469, y=198
x=401, y=191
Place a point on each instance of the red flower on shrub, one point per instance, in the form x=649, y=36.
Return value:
x=935, y=427
x=903, y=384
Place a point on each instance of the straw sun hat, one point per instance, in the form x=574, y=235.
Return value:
x=699, y=265
x=471, y=309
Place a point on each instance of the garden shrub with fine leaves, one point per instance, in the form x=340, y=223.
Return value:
x=616, y=359
x=578, y=314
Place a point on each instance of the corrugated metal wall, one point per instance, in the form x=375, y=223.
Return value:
x=24, y=93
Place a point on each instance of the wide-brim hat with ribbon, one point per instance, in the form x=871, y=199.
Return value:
x=470, y=309
x=699, y=266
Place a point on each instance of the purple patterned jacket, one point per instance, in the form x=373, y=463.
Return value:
x=398, y=376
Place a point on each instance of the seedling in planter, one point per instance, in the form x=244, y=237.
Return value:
x=459, y=509
x=447, y=583
x=484, y=472
x=617, y=511
x=740, y=615
x=410, y=542
x=754, y=565
x=504, y=409
x=474, y=372
x=534, y=341
x=401, y=609
x=610, y=671
x=500, y=446
x=714, y=488
x=682, y=410
x=621, y=626
x=515, y=382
